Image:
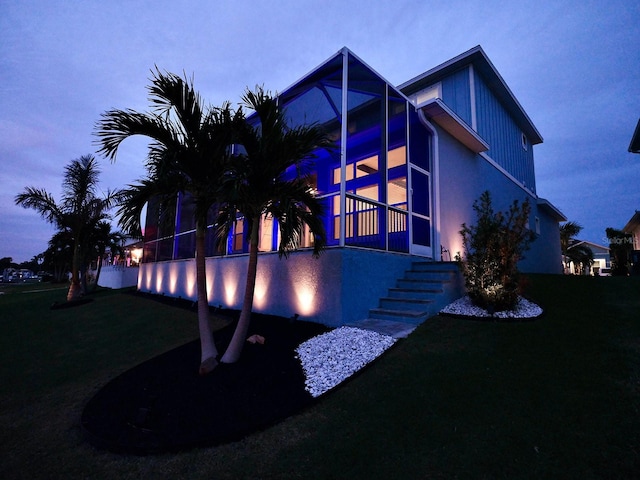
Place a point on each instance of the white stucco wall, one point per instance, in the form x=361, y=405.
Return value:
x=116, y=276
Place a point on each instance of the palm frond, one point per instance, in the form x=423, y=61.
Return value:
x=41, y=201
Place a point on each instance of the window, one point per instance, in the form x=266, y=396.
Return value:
x=433, y=91
x=525, y=143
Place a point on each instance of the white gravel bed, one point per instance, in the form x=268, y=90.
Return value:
x=463, y=306
x=332, y=357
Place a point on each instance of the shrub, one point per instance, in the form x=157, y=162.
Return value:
x=493, y=248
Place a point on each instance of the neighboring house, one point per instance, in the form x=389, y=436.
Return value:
x=121, y=271
x=634, y=146
x=633, y=228
x=601, y=260
x=410, y=162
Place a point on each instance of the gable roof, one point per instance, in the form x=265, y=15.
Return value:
x=481, y=63
x=633, y=223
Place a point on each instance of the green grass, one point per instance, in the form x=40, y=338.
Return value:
x=555, y=398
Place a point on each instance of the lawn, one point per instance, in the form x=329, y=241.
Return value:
x=558, y=397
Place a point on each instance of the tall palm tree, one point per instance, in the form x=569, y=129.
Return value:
x=188, y=154
x=258, y=184
x=78, y=212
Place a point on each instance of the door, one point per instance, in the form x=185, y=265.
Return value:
x=421, y=235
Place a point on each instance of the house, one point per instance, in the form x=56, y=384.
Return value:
x=601, y=260
x=410, y=162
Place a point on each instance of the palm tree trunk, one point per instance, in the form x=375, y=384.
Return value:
x=209, y=353
x=75, y=289
x=234, y=349
x=99, y=268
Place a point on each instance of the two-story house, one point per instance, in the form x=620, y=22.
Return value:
x=410, y=162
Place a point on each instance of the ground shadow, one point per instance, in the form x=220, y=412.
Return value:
x=164, y=405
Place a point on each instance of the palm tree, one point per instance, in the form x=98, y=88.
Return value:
x=258, y=185
x=188, y=155
x=568, y=232
x=102, y=238
x=581, y=256
x=78, y=212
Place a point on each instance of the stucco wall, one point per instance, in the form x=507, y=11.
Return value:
x=339, y=287
x=115, y=276
x=464, y=176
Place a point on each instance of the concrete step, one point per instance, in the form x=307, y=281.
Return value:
x=385, y=327
x=415, y=283
x=435, y=267
x=414, y=317
x=389, y=303
x=440, y=275
x=422, y=293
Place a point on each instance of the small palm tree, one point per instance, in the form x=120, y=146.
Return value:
x=259, y=184
x=78, y=212
x=103, y=238
x=188, y=155
x=581, y=256
x=568, y=232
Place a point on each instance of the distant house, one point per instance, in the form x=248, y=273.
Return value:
x=633, y=228
x=410, y=162
x=601, y=260
x=120, y=270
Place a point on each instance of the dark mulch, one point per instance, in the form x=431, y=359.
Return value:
x=164, y=405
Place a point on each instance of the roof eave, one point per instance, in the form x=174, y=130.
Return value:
x=435, y=109
x=549, y=207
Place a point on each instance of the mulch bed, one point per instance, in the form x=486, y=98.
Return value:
x=163, y=405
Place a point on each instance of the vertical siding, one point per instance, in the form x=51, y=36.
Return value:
x=456, y=94
x=497, y=127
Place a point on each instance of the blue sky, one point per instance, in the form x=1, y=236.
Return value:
x=573, y=66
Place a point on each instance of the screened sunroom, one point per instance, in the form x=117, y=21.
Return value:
x=375, y=184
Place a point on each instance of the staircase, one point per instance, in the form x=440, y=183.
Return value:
x=421, y=293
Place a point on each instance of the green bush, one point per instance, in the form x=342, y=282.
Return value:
x=492, y=249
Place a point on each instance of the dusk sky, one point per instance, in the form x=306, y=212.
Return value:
x=573, y=66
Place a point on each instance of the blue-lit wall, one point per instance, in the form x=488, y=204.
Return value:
x=504, y=137
x=464, y=176
x=456, y=93
x=337, y=288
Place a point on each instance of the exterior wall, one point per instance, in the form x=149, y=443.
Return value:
x=337, y=288
x=464, y=176
x=498, y=129
x=456, y=94
x=116, y=276
x=545, y=254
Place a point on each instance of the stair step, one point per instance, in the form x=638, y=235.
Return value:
x=422, y=293
x=443, y=275
x=440, y=267
x=409, y=316
x=405, y=303
x=416, y=296
x=413, y=283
